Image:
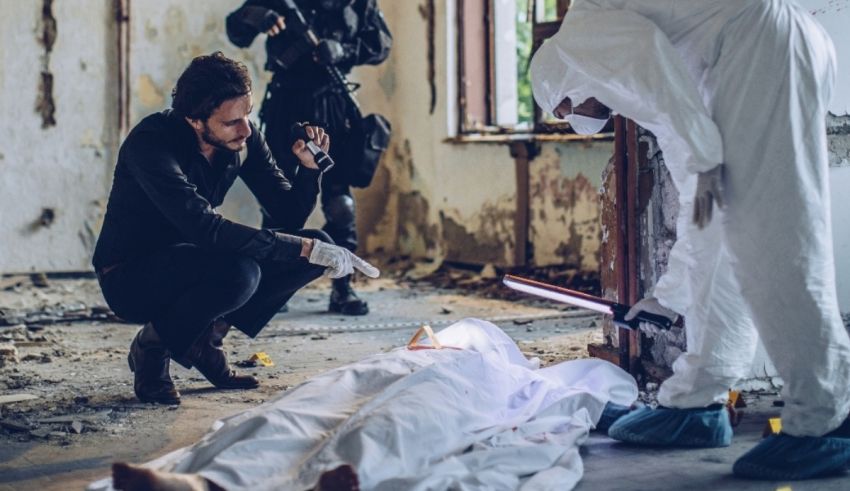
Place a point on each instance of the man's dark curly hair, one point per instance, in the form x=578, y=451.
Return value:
x=207, y=82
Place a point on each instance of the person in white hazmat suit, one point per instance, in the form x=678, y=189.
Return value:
x=736, y=93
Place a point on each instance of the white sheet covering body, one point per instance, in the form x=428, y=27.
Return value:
x=480, y=418
x=745, y=83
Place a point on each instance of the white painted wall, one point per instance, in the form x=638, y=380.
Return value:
x=839, y=184
x=64, y=167
x=68, y=167
x=834, y=15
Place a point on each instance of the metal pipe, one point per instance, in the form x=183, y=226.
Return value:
x=122, y=20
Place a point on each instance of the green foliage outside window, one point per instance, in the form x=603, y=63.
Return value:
x=525, y=100
x=524, y=9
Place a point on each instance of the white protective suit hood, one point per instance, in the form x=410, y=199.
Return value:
x=549, y=80
x=549, y=83
x=576, y=62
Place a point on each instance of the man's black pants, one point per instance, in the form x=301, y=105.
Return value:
x=284, y=106
x=182, y=289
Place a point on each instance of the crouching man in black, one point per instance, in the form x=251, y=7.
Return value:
x=167, y=259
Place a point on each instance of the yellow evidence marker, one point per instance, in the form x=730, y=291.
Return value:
x=262, y=358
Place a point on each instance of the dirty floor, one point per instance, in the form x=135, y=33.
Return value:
x=82, y=414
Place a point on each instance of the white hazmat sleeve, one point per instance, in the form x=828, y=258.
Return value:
x=622, y=59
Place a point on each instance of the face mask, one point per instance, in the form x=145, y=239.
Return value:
x=584, y=125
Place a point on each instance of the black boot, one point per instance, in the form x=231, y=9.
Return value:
x=207, y=355
x=344, y=300
x=150, y=363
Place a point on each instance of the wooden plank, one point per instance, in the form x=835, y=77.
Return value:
x=633, y=293
x=13, y=281
x=621, y=248
x=522, y=153
x=10, y=398
x=603, y=352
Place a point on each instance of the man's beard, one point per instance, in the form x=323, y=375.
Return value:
x=218, y=143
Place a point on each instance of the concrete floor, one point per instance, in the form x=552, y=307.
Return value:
x=86, y=377
x=614, y=466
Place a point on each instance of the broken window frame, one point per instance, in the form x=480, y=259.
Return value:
x=477, y=114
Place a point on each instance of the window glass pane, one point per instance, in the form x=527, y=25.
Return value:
x=525, y=101
x=547, y=10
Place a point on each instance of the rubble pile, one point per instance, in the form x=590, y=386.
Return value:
x=486, y=281
x=52, y=314
x=34, y=300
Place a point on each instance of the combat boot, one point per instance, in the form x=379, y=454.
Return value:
x=344, y=300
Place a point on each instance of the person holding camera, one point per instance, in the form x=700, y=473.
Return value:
x=342, y=34
x=165, y=258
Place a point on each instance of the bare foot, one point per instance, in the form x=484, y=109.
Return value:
x=343, y=478
x=128, y=477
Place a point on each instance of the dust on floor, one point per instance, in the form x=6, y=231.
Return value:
x=83, y=415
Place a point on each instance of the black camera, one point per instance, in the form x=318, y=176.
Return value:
x=323, y=160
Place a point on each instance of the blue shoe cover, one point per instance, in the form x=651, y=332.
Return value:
x=610, y=414
x=786, y=457
x=706, y=427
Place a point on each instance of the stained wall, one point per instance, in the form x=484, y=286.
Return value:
x=57, y=131
x=432, y=198
x=436, y=198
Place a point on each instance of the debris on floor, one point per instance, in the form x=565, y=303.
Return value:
x=35, y=301
x=486, y=281
x=65, y=382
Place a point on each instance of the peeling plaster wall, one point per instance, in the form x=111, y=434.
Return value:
x=57, y=138
x=441, y=200
x=430, y=198
x=565, y=197
x=838, y=137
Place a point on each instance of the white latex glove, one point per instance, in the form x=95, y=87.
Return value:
x=339, y=261
x=653, y=306
x=710, y=188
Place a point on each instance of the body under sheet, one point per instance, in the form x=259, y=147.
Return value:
x=480, y=417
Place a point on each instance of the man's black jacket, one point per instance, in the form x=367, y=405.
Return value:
x=164, y=192
x=359, y=28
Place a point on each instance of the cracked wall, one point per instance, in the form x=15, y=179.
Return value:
x=57, y=136
x=435, y=199
x=565, y=225
x=45, y=104
x=475, y=215
x=838, y=138
x=59, y=94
